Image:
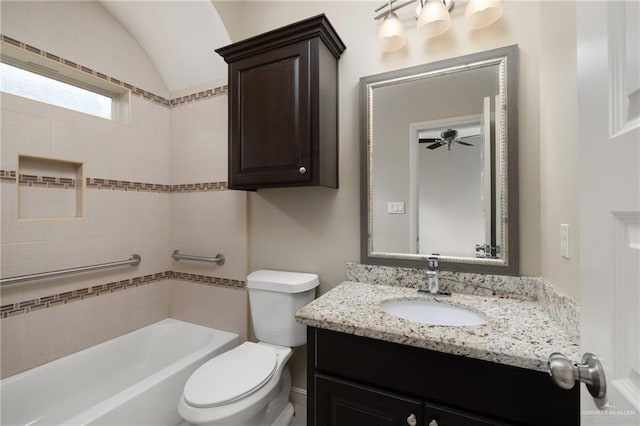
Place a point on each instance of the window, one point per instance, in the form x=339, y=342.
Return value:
x=21, y=82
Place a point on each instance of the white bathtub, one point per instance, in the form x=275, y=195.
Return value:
x=134, y=379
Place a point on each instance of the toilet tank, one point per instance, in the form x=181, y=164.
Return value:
x=274, y=298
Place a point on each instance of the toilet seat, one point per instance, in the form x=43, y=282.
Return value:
x=231, y=376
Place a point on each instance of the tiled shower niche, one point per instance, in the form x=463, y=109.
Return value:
x=50, y=188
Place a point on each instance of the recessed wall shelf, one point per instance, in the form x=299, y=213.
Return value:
x=50, y=188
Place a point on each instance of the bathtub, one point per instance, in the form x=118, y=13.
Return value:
x=134, y=379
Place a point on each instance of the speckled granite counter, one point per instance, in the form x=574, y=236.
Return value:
x=518, y=332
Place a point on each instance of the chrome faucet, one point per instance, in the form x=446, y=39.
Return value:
x=433, y=286
x=432, y=275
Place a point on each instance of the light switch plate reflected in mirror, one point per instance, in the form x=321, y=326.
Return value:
x=395, y=207
x=564, y=241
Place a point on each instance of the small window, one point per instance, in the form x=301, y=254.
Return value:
x=21, y=82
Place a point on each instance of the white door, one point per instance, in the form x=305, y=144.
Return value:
x=609, y=141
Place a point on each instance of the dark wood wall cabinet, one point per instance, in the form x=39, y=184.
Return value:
x=283, y=107
x=357, y=381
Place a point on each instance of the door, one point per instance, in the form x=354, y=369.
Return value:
x=429, y=230
x=270, y=141
x=609, y=137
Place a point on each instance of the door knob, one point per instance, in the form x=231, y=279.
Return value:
x=565, y=373
x=411, y=420
x=302, y=170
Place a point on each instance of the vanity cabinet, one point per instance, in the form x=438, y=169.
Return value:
x=356, y=381
x=342, y=403
x=283, y=107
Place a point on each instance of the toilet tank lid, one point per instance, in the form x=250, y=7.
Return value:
x=281, y=281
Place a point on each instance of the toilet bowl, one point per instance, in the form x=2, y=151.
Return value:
x=250, y=384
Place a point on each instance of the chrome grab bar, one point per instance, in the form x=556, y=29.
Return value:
x=219, y=259
x=133, y=261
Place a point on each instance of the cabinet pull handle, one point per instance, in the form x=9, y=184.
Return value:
x=411, y=420
x=302, y=170
x=433, y=423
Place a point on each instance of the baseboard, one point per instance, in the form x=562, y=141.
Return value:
x=298, y=396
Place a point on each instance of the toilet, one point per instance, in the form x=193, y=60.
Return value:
x=250, y=384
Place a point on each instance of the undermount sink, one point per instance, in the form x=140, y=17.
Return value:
x=432, y=313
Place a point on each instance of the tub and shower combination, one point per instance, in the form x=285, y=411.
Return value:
x=134, y=379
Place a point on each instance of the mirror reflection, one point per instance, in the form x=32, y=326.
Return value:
x=437, y=141
x=434, y=142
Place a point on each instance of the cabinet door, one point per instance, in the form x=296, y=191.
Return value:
x=436, y=415
x=342, y=403
x=270, y=135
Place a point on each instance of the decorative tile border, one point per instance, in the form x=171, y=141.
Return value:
x=206, y=279
x=199, y=187
x=50, y=301
x=46, y=181
x=205, y=94
x=159, y=100
x=125, y=185
x=26, y=306
x=9, y=176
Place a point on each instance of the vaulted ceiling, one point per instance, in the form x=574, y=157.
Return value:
x=179, y=36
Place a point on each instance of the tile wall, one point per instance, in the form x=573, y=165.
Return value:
x=152, y=185
x=206, y=223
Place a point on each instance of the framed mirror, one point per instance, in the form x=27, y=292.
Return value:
x=439, y=164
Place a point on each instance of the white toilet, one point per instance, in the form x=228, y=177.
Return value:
x=250, y=385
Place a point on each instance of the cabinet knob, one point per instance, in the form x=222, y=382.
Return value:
x=302, y=170
x=411, y=420
x=433, y=423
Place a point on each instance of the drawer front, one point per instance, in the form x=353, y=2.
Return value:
x=437, y=415
x=343, y=403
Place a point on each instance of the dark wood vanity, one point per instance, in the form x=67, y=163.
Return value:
x=283, y=107
x=356, y=381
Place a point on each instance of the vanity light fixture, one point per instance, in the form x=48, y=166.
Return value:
x=482, y=13
x=433, y=19
x=391, y=33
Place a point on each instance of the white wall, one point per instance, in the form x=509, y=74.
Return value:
x=559, y=144
x=318, y=229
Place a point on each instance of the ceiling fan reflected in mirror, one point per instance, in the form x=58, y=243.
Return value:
x=447, y=137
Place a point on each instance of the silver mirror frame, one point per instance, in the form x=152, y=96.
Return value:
x=507, y=60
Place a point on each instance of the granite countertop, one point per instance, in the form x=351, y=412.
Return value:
x=518, y=332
